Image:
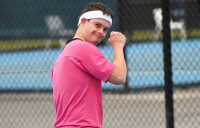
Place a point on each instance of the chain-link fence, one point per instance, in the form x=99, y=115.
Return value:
x=33, y=33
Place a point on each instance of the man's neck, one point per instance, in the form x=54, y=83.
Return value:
x=78, y=35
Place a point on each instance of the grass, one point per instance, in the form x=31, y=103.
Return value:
x=11, y=45
x=148, y=35
x=135, y=36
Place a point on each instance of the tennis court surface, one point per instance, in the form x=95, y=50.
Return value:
x=140, y=110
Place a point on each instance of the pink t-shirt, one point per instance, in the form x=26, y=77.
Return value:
x=77, y=91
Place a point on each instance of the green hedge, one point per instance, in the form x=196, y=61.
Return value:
x=136, y=36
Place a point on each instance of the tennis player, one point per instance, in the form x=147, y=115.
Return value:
x=80, y=68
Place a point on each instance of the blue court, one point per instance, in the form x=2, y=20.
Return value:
x=31, y=69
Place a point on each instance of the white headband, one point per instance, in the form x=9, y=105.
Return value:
x=95, y=14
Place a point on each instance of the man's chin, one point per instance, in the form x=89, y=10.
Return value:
x=97, y=42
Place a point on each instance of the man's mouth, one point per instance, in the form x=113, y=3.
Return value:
x=99, y=37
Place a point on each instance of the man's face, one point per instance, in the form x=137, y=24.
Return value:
x=95, y=30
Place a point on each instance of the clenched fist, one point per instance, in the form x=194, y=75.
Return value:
x=117, y=38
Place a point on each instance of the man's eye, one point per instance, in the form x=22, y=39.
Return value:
x=98, y=25
x=105, y=29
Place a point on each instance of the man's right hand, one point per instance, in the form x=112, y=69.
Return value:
x=117, y=39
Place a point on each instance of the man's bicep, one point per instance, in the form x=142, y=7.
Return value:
x=115, y=78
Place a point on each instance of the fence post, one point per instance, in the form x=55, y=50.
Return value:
x=120, y=7
x=167, y=64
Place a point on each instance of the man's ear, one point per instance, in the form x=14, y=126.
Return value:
x=83, y=20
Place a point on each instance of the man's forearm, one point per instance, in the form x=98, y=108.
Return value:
x=119, y=61
x=118, y=40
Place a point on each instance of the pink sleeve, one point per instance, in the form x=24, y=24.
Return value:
x=96, y=63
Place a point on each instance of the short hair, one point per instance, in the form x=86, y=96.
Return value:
x=98, y=6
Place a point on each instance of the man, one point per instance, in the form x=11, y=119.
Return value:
x=78, y=71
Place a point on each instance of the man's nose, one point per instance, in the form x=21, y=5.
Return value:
x=101, y=31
